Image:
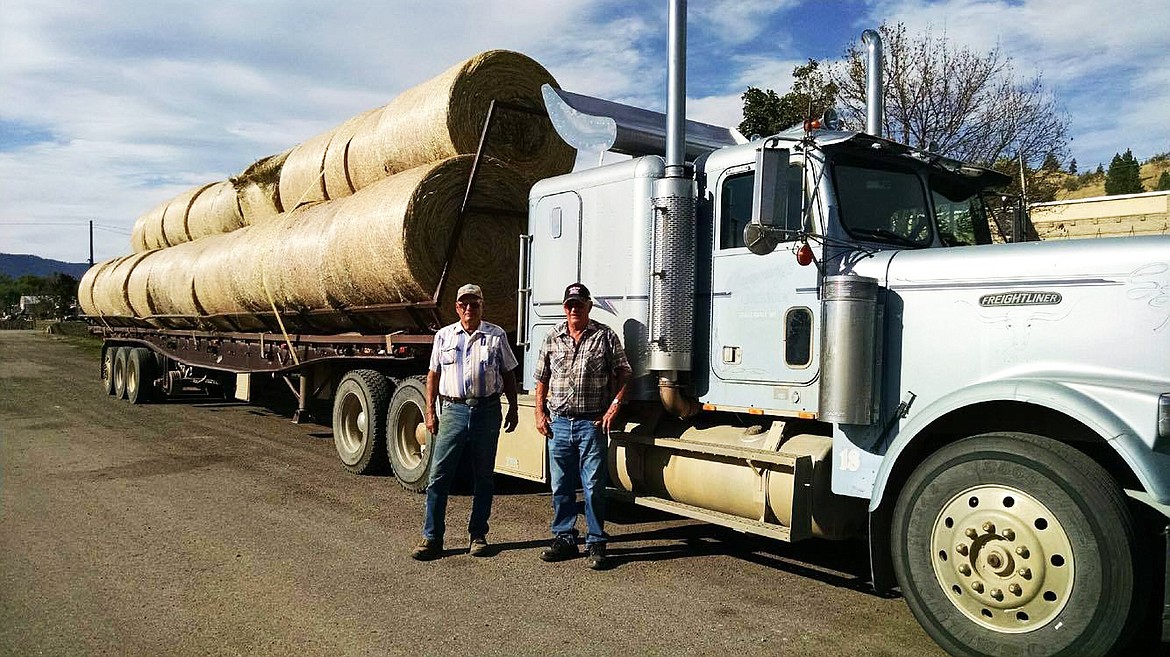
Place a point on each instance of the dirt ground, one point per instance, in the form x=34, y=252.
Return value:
x=218, y=528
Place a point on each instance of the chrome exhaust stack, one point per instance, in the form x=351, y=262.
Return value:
x=874, y=89
x=672, y=274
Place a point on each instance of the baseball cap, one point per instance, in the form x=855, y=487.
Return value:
x=469, y=290
x=576, y=291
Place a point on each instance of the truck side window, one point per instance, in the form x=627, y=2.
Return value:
x=798, y=323
x=736, y=207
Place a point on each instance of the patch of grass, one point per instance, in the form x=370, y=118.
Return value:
x=90, y=345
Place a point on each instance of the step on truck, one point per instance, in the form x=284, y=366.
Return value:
x=826, y=344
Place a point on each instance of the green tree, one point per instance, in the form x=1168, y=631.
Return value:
x=1050, y=163
x=766, y=113
x=1124, y=175
x=1163, y=182
x=1072, y=166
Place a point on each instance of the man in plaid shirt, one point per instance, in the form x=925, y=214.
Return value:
x=581, y=376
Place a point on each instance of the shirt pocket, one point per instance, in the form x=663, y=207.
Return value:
x=448, y=356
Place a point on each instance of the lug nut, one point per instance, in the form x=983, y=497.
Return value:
x=1022, y=551
x=1026, y=573
x=972, y=532
x=989, y=527
x=965, y=569
x=1015, y=589
x=1009, y=534
x=962, y=549
x=997, y=594
x=978, y=586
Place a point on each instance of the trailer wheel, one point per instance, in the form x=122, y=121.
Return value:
x=108, y=369
x=121, y=359
x=1009, y=543
x=409, y=441
x=140, y=375
x=359, y=421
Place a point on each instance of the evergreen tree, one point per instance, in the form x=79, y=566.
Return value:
x=1072, y=166
x=1163, y=182
x=1124, y=175
x=1100, y=169
x=1050, y=163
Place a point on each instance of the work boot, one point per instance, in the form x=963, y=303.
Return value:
x=478, y=546
x=597, y=559
x=428, y=549
x=562, y=548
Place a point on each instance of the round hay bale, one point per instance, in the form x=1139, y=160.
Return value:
x=214, y=271
x=174, y=223
x=215, y=211
x=142, y=304
x=110, y=292
x=337, y=182
x=301, y=176
x=148, y=229
x=293, y=268
x=389, y=241
x=444, y=117
x=85, y=287
x=258, y=189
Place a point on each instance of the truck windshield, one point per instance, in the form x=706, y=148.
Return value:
x=882, y=202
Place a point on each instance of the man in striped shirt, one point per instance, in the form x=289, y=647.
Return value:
x=581, y=375
x=471, y=364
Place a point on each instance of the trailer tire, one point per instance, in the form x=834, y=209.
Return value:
x=409, y=441
x=121, y=360
x=140, y=375
x=108, y=354
x=1010, y=543
x=359, y=421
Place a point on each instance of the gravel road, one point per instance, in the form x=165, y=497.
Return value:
x=218, y=528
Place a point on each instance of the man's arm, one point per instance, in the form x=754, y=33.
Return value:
x=432, y=395
x=541, y=414
x=513, y=416
x=621, y=378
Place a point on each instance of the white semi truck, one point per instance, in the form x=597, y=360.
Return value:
x=826, y=344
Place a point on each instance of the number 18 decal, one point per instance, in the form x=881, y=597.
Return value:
x=851, y=460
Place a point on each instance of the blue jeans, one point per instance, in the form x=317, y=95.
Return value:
x=577, y=458
x=476, y=428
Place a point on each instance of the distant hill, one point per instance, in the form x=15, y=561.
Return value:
x=1090, y=186
x=17, y=265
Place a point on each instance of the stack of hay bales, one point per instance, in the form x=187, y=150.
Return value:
x=358, y=216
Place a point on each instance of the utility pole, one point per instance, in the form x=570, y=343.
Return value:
x=91, y=242
x=1022, y=210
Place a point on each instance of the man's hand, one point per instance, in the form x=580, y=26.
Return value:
x=431, y=420
x=542, y=423
x=511, y=419
x=608, y=418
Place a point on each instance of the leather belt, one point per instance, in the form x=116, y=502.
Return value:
x=470, y=401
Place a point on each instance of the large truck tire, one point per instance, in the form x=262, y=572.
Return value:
x=1016, y=544
x=108, y=369
x=141, y=371
x=359, y=421
x=409, y=441
x=121, y=361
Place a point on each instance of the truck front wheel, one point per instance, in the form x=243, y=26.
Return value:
x=359, y=421
x=409, y=441
x=1009, y=543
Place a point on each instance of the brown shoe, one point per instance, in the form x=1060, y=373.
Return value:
x=478, y=547
x=428, y=550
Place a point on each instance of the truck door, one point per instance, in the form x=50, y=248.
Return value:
x=555, y=257
x=763, y=308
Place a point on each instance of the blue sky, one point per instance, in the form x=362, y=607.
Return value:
x=108, y=107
